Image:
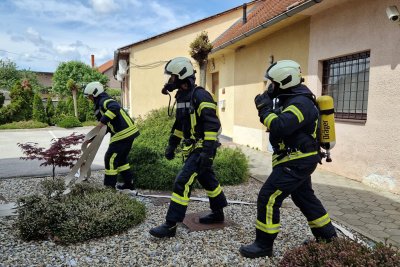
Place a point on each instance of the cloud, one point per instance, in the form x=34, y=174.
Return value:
x=56, y=30
x=104, y=6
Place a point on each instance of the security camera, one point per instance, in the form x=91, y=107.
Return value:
x=393, y=14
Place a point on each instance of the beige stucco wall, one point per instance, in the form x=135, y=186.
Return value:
x=243, y=71
x=224, y=66
x=367, y=152
x=146, y=83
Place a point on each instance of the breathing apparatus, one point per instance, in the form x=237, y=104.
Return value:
x=179, y=71
x=286, y=74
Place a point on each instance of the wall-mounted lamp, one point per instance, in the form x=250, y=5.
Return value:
x=271, y=59
x=393, y=13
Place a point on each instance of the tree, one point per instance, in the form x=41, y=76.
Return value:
x=77, y=71
x=50, y=111
x=33, y=80
x=200, y=48
x=73, y=87
x=8, y=74
x=58, y=155
x=83, y=107
x=61, y=108
x=2, y=99
x=20, y=109
x=38, y=112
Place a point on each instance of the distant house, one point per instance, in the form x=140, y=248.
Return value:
x=107, y=69
x=45, y=79
x=7, y=99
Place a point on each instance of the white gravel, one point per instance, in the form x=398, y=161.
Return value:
x=137, y=248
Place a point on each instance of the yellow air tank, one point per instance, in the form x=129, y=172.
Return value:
x=327, y=124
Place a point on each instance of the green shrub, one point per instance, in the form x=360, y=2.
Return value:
x=114, y=93
x=89, y=211
x=2, y=99
x=50, y=111
x=83, y=106
x=24, y=125
x=153, y=171
x=90, y=123
x=340, y=252
x=69, y=122
x=231, y=166
x=38, y=112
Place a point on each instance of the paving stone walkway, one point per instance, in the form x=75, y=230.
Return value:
x=372, y=213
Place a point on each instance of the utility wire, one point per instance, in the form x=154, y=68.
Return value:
x=149, y=65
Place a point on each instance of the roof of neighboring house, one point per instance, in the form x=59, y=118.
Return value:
x=187, y=25
x=262, y=12
x=106, y=66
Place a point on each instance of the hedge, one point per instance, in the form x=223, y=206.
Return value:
x=153, y=171
x=89, y=211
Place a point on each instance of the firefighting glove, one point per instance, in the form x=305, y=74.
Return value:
x=204, y=161
x=264, y=104
x=170, y=152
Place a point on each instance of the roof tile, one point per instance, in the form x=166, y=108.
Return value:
x=106, y=66
x=259, y=14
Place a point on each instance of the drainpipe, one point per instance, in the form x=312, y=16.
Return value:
x=274, y=20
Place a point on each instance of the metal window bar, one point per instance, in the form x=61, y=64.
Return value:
x=336, y=83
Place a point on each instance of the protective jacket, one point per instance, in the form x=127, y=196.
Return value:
x=118, y=122
x=293, y=128
x=198, y=125
x=196, y=121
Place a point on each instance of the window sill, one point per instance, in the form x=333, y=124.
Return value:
x=362, y=122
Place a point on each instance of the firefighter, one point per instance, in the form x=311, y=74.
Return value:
x=196, y=126
x=293, y=132
x=123, y=131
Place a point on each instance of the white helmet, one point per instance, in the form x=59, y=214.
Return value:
x=94, y=89
x=180, y=66
x=286, y=73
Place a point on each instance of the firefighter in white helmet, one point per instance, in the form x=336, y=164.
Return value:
x=123, y=131
x=196, y=127
x=293, y=134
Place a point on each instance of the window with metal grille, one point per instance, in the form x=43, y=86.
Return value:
x=346, y=79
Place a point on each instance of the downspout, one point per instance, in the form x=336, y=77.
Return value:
x=274, y=20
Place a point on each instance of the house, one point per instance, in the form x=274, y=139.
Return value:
x=347, y=49
x=107, y=69
x=45, y=79
x=140, y=66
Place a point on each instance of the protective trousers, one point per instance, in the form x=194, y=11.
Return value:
x=116, y=162
x=294, y=181
x=183, y=187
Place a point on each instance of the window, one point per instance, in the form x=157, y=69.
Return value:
x=346, y=79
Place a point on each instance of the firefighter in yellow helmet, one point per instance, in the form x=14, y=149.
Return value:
x=196, y=127
x=293, y=126
x=123, y=131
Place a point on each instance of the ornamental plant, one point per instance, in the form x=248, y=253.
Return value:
x=59, y=154
x=341, y=252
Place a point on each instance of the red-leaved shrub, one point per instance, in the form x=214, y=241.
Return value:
x=339, y=253
x=58, y=154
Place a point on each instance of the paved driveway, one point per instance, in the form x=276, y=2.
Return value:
x=12, y=166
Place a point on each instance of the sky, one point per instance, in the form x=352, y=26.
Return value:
x=40, y=34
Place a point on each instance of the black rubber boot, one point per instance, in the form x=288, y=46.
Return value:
x=255, y=250
x=164, y=230
x=261, y=247
x=216, y=216
x=126, y=188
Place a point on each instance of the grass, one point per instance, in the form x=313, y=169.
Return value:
x=24, y=125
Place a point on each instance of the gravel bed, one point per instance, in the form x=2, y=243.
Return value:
x=137, y=247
